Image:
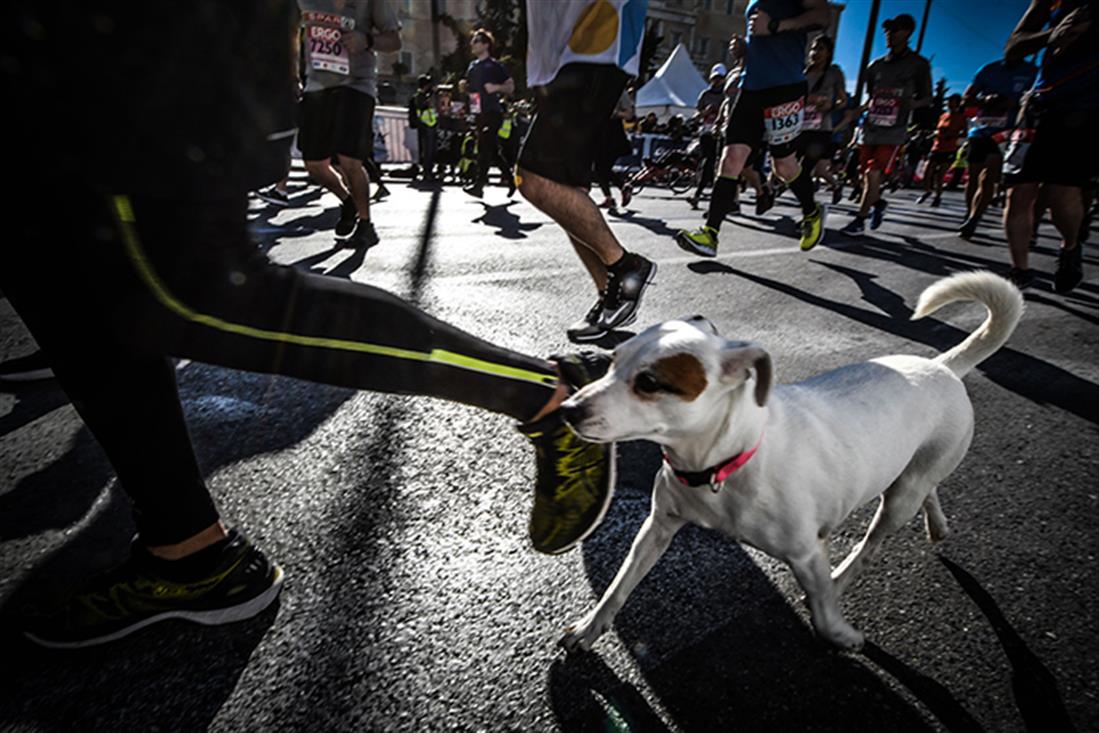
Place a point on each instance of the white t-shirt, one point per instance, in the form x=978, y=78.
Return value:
x=583, y=31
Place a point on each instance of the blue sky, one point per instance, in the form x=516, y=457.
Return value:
x=962, y=35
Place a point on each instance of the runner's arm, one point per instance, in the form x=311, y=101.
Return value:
x=922, y=98
x=816, y=16
x=1028, y=37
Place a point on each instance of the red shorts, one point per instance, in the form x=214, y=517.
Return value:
x=877, y=156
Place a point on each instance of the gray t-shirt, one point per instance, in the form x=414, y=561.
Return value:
x=892, y=85
x=828, y=83
x=330, y=64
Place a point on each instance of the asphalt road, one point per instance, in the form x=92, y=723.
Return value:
x=413, y=600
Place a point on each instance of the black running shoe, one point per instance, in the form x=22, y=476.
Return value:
x=589, y=327
x=581, y=368
x=626, y=282
x=1070, y=269
x=764, y=201
x=273, y=196
x=349, y=214
x=241, y=584
x=574, y=486
x=837, y=194
x=877, y=213
x=363, y=237
x=968, y=228
x=1021, y=278
x=382, y=191
x=30, y=368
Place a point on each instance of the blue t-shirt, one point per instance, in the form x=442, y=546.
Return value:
x=487, y=71
x=773, y=61
x=1070, y=79
x=1009, y=81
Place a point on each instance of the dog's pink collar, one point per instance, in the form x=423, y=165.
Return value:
x=714, y=475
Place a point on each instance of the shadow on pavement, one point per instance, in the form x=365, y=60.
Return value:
x=1034, y=686
x=1025, y=375
x=717, y=642
x=506, y=224
x=175, y=680
x=586, y=695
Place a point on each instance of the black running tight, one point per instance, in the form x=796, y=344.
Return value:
x=115, y=286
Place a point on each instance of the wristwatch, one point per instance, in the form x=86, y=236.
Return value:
x=772, y=26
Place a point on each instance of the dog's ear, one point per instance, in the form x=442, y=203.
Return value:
x=738, y=357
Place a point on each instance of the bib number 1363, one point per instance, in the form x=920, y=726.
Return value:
x=782, y=123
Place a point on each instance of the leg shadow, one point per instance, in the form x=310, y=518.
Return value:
x=1034, y=686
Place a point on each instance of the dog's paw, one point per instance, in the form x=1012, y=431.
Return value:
x=844, y=636
x=584, y=633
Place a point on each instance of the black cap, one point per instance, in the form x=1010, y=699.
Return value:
x=903, y=22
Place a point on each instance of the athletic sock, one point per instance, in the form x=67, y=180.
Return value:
x=801, y=186
x=722, y=200
x=195, y=566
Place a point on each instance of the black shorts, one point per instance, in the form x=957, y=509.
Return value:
x=980, y=150
x=941, y=156
x=746, y=123
x=571, y=112
x=337, y=121
x=815, y=145
x=1062, y=151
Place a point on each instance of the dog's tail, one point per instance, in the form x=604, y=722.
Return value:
x=1005, y=307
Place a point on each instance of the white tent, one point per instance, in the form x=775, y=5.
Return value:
x=675, y=88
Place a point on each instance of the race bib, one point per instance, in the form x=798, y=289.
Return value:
x=782, y=123
x=999, y=122
x=884, y=111
x=326, y=49
x=1016, y=151
x=475, y=102
x=814, y=120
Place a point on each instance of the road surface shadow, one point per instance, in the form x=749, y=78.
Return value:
x=176, y=679
x=506, y=224
x=1030, y=377
x=717, y=642
x=1035, y=688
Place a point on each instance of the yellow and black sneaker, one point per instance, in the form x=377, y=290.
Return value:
x=574, y=485
x=812, y=228
x=237, y=583
x=701, y=241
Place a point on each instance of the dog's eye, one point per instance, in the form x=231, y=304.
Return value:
x=647, y=383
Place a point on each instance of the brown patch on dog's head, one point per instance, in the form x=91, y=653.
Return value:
x=681, y=375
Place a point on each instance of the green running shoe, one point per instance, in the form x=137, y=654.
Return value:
x=701, y=242
x=574, y=485
x=812, y=228
x=241, y=584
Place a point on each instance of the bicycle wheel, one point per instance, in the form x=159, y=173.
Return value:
x=682, y=181
x=635, y=184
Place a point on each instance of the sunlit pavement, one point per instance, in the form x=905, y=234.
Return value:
x=413, y=600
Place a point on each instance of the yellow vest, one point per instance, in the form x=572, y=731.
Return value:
x=428, y=117
x=505, y=129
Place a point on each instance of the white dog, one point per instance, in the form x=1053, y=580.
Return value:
x=780, y=470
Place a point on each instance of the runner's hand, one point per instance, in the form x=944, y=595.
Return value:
x=758, y=23
x=354, y=41
x=736, y=47
x=1069, y=30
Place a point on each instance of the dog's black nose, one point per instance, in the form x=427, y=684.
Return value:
x=574, y=413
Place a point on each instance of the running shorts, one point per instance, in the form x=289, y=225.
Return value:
x=771, y=117
x=877, y=157
x=338, y=121
x=980, y=150
x=570, y=114
x=1059, y=147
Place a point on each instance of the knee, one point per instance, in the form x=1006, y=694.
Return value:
x=530, y=185
x=786, y=168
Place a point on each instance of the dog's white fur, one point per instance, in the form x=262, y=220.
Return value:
x=893, y=427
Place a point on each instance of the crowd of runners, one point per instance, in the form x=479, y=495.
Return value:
x=780, y=118
x=162, y=179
